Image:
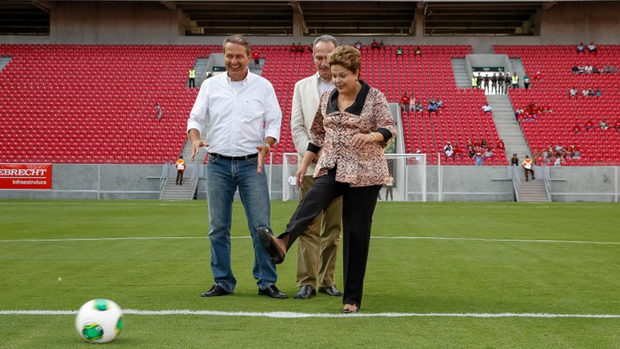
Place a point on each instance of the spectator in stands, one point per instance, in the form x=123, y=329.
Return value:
x=576, y=129
x=374, y=45
x=604, y=126
x=527, y=166
x=180, y=165
x=457, y=151
x=575, y=153
x=557, y=162
x=500, y=145
x=589, y=125
x=484, y=143
x=404, y=102
x=412, y=103
x=315, y=268
x=572, y=93
x=526, y=81
x=595, y=70
x=487, y=109
x=515, y=80
x=587, y=69
x=592, y=48
x=585, y=92
x=472, y=152
x=488, y=154
x=581, y=69
x=256, y=58
x=358, y=44
x=439, y=104
x=158, y=111
x=598, y=92
x=478, y=158
x=448, y=150
x=419, y=108
x=581, y=48
x=617, y=125
x=192, y=78
x=432, y=107
x=575, y=69
x=538, y=76
x=381, y=45
x=399, y=51
x=514, y=160
x=369, y=128
x=417, y=51
x=243, y=147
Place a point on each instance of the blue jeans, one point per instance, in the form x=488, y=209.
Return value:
x=223, y=178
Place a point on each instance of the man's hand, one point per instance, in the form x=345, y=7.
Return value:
x=263, y=151
x=300, y=174
x=196, y=147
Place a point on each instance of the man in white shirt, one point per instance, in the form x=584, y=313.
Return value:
x=318, y=247
x=487, y=108
x=292, y=184
x=237, y=117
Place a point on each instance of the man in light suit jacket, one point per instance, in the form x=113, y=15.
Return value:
x=318, y=247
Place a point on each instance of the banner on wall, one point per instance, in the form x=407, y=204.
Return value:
x=26, y=176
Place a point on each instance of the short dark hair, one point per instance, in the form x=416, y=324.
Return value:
x=239, y=40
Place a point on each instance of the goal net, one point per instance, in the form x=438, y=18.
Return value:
x=407, y=180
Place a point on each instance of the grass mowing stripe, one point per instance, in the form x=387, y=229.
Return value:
x=373, y=237
x=296, y=315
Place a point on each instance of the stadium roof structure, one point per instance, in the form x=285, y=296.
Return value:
x=301, y=17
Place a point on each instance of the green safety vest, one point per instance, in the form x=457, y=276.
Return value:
x=192, y=73
x=474, y=81
x=515, y=79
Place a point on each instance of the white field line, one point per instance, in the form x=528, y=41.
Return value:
x=374, y=237
x=291, y=315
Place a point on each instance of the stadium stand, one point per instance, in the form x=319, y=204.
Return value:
x=95, y=103
x=554, y=62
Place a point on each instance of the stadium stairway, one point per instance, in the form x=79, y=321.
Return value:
x=4, y=61
x=507, y=126
x=201, y=70
x=461, y=77
x=533, y=191
x=171, y=191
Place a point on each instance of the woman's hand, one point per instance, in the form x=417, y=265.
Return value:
x=360, y=139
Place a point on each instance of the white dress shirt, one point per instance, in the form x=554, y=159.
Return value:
x=235, y=117
x=324, y=86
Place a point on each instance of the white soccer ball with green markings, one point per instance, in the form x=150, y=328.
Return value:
x=99, y=321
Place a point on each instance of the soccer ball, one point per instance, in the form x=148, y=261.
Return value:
x=99, y=321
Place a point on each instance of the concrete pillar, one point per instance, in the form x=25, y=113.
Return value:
x=298, y=21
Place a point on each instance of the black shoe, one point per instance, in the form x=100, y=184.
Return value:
x=305, y=292
x=330, y=291
x=268, y=243
x=272, y=291
x=216, y=291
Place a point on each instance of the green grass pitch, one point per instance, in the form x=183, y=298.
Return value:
x=478, y=272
